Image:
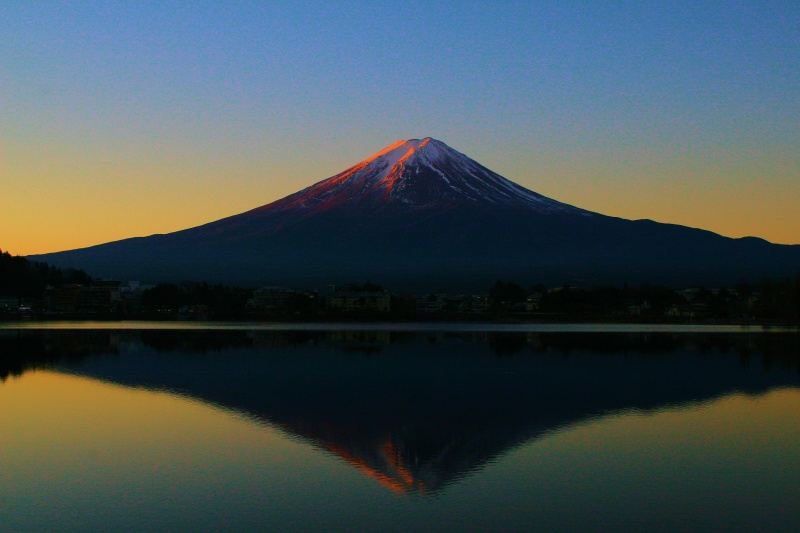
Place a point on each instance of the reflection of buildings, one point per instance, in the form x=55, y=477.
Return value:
x=432, y=409
x=347, y=340
x=359, y=341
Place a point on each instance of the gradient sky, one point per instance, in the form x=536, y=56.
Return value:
x=120, y=119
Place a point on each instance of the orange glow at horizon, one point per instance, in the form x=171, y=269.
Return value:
x=107, y=200
x=137, y=120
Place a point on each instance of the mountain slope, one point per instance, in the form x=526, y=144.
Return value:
x=418, y=174
x=419, y=213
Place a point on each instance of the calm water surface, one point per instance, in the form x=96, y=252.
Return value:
x=380, y=430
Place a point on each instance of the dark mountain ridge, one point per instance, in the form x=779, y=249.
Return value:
x=420, y=214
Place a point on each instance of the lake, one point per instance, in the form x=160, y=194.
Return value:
x=427, y=427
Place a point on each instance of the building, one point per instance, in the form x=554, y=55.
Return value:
x=476, y=304
x=358, y=301
x=9, y=304
x=270, y=298
x=61, y=300
x=99, y=297
x=433, y=303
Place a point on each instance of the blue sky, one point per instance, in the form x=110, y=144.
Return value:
x=131, y=118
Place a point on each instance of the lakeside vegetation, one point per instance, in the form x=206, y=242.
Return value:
x=40, y=290
x=28, y=279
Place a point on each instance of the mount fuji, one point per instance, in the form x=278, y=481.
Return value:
x=421, y=214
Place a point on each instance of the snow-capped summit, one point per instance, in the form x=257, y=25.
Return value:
x=418, y=173
x=421, y=215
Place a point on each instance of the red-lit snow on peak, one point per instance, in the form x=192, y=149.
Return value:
x=418, y=173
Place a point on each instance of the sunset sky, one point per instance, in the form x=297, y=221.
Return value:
x=121, y=119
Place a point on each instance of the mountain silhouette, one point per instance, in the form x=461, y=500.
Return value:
x=421, y=214
x=425, y=409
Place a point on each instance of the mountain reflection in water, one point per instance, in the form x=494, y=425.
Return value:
x=418, y=411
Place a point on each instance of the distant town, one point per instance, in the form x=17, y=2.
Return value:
x=38, y=291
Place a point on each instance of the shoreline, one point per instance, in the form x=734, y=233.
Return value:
x=408, y=326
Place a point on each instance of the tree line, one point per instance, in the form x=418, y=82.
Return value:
x=769, y=299
x=22, y=278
